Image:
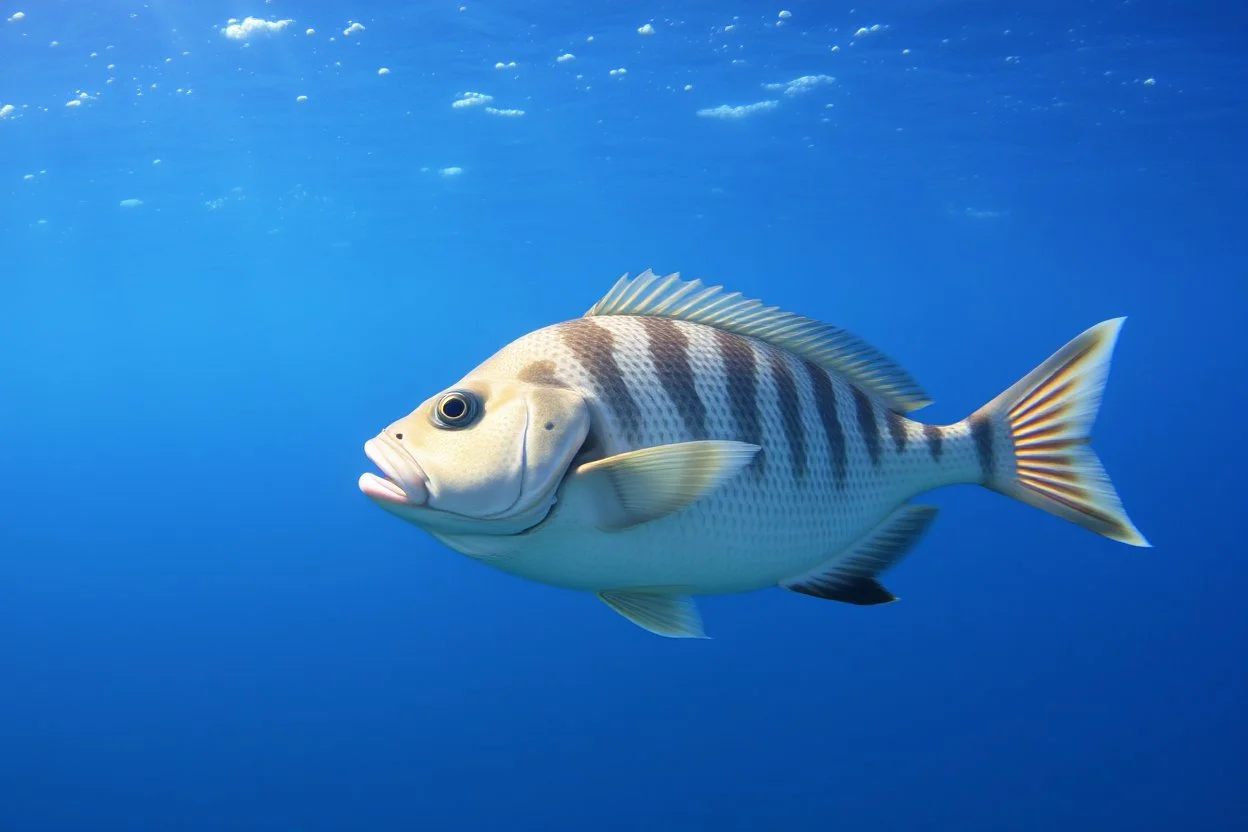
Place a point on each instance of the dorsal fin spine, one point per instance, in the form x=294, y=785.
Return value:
x=830, y=347
x=630, y=298
x=658, y=293
x=727, y=305
x=694, y=300
x=666, y=306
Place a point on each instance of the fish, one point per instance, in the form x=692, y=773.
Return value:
x=680, y=440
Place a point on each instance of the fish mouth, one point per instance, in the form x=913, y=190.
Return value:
x=402, y=483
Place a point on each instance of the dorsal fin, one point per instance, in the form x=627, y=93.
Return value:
x=830, y=347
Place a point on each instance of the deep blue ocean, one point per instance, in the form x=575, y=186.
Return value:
x=229, y=256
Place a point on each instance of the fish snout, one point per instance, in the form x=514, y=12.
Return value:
x=403, y=481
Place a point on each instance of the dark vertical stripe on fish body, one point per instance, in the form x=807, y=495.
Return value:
x=594, y=347
x=669, y=351
x=825, y=404
x=896, y=428
x=981, y=430
x=867, y=423
x=935, y=437
x=790, y=405
x=740, y=367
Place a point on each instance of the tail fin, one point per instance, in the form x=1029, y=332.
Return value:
x=1046, y=418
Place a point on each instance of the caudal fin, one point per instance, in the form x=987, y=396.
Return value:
x=1046, y=418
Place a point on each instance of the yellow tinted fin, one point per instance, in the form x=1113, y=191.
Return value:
x=1033, y=439
x=642, y=485
x=662, y=613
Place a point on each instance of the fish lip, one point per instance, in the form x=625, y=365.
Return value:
x=381, y=489
x=403, y=482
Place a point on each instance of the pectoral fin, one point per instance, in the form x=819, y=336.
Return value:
x=662, y=613
x=642, y=485
x=850, y=576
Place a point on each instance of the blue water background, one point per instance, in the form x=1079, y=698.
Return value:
x=204, y=624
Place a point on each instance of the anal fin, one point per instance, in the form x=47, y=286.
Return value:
x=664, y=613
x=851, y=575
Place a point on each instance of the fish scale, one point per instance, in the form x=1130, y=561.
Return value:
x=681, y=440
x=765, y=526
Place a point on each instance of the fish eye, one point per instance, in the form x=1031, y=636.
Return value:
x=456, y=409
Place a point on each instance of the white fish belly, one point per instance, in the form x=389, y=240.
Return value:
x=720, y=545
x=743, y=537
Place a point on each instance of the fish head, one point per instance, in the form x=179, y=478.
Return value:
x=485, y=456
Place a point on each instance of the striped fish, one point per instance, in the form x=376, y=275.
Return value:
x=680, y=440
